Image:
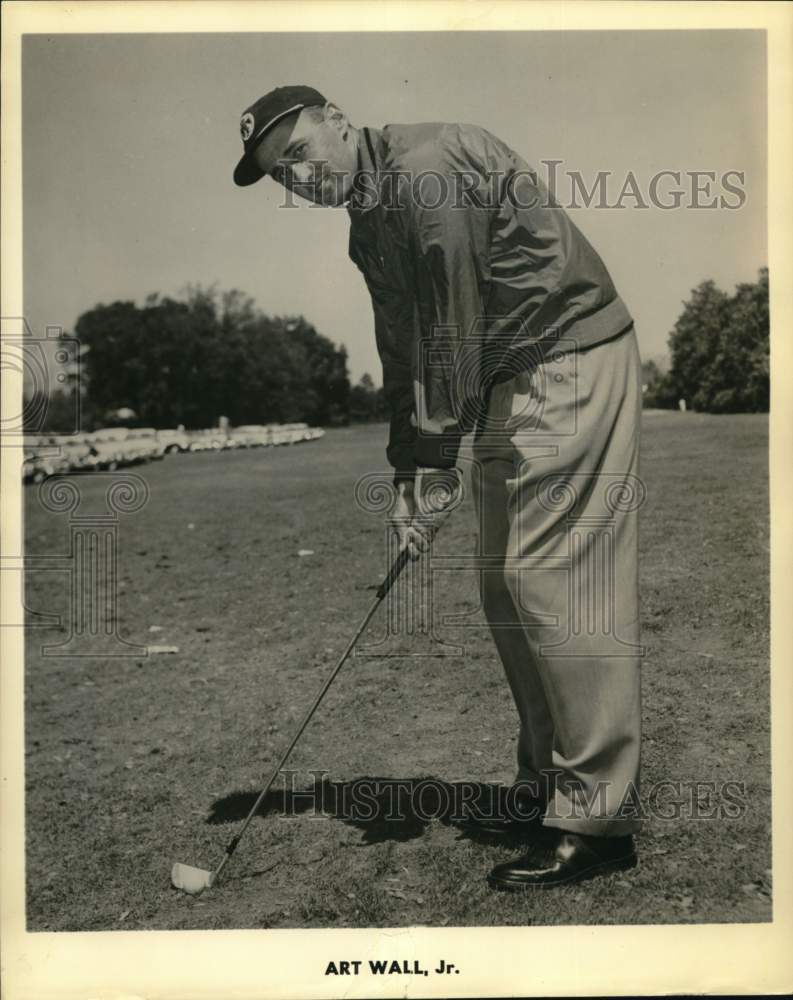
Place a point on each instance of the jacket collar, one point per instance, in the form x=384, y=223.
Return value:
x=364, y=197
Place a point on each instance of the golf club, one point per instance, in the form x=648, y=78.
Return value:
x=195, y=880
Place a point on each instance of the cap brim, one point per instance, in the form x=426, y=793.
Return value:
x=269, y=150
x=247, y=172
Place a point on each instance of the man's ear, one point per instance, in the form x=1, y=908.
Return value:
x=336, y=117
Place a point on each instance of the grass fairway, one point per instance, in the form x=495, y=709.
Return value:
x=136, y=762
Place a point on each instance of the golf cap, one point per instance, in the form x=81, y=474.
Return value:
x=269, y=123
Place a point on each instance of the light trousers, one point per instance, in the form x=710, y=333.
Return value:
x=557, y=489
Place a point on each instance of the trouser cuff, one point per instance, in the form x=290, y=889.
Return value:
x=593, y=819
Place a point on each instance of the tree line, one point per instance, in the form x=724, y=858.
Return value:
x=719, y=350
x=212, y=354
x=190, y=362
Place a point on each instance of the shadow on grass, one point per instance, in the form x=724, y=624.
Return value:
x=392, y=809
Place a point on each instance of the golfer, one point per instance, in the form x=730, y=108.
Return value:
x=493, y=314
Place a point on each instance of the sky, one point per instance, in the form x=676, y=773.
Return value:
x=129, y=143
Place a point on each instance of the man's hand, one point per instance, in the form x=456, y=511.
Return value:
x=422, y=507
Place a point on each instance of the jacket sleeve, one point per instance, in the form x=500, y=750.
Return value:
x=450, y=250
x=394, y=321
x=398, y=390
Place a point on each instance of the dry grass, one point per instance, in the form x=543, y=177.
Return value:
x=137, y=762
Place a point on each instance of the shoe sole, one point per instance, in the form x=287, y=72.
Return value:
x=602, y=868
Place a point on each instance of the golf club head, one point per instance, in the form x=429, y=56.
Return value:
x=189, y=879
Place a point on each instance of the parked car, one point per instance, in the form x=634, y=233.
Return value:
x=290, y=433
x=207, y=440
x=251, y=436
x=107, y=444
x=110, y=448
x=78, y=451
x=43, y=457
x=145, y=438
x=174, y=441
x=121, y=446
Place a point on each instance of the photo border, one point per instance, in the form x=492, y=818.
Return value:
x=497, y=961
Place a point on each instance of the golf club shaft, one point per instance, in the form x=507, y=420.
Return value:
x=399, y=564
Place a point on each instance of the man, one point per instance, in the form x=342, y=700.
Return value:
x=493, y=313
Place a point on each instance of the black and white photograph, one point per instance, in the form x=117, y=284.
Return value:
x=390, y=463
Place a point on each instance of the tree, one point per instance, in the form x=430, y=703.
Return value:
x=367, y=403
x=190, y=361
x=655, y=387
x=720, y=350
x=695, y=342
x=744, y=362
x=56, y=412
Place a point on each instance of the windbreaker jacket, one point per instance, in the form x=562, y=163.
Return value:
x=474, y=274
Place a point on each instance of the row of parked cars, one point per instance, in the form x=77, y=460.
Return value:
x=112, y=448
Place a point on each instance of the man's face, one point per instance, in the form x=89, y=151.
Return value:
x=320, y=161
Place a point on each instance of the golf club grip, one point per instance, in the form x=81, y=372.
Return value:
x=399, y=564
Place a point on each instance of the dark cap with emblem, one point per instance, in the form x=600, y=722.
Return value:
x=269, y=123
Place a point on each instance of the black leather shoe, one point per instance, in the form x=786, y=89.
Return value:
x=568, y=857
